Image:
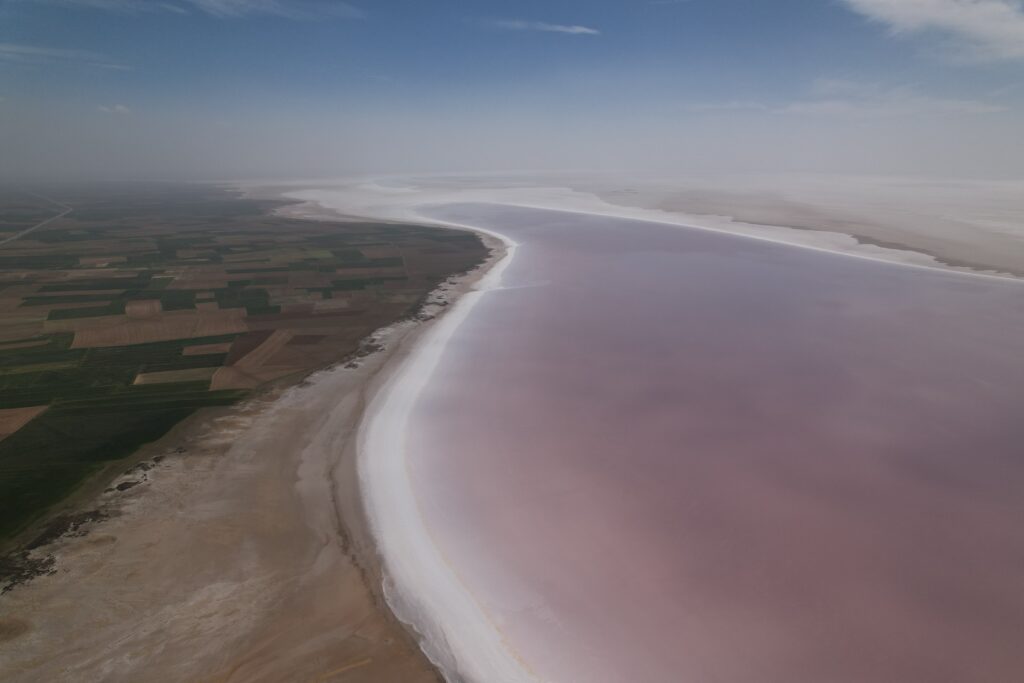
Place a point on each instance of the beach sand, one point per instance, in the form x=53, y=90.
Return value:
x=242, y=553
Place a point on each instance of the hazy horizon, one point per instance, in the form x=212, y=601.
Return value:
x=617, y=341
x=215, y=89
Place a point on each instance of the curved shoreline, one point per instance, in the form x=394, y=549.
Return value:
x=422, y=586
x=454, y=629
x=535, y=486
x=392, y=542
x=399, y=547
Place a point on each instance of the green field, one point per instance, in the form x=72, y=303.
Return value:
x=197, y=255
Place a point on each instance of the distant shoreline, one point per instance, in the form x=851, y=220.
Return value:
x=967, y=242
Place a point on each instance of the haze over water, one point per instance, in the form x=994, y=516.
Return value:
x=662, y=454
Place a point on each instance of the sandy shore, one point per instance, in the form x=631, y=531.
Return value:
x=242, y=554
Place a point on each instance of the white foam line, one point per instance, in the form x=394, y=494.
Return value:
x=392, y=203
x=939, y=267
x=422, y=586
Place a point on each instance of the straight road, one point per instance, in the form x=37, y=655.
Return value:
x=66, y=210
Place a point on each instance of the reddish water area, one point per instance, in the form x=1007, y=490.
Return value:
x=663, y=454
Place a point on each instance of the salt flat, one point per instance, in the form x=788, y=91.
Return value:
x=650, y=448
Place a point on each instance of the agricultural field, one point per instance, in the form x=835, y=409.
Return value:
x=146, y=303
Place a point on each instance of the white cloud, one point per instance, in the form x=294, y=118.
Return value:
x=1008, y=89
x=733, y=105
x=872, y=99
x=32, y=54
x=858, y=100
x=115, y=109
x=126, y=6
x=290, y=9
x=982, y=29
x=519, y=25
x=907, y=104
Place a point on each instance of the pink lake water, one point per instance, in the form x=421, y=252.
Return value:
x=662, y=454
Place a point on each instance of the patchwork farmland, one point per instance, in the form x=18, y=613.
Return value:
x=144, y=304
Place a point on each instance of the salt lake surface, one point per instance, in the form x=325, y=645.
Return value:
x=662, y=454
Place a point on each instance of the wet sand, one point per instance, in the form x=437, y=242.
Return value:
x=242, y=556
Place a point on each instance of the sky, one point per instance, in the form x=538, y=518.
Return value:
x=219, y=89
